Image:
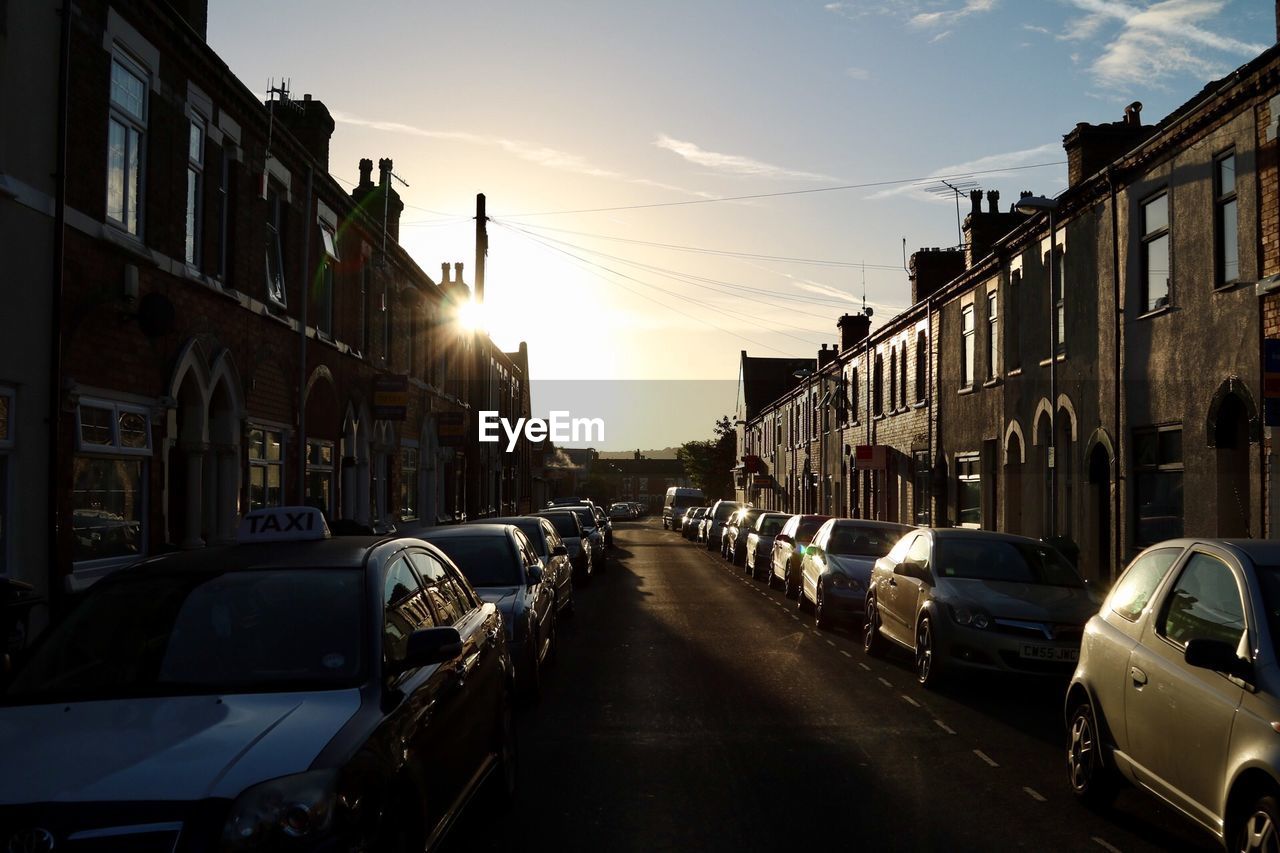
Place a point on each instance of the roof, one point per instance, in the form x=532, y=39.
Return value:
x=764, y=380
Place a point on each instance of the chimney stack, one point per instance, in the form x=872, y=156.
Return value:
x=975, y=200
x=854, y=329
x=444, y=273
x=366, y=174
x=309, y=122
x=1090, y=147
x=825, y=356
x=993, y=201
x=457, y=272
x=932, y=268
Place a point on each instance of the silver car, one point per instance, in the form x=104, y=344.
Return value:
x=1178, y=688
x=835, y=570
x=961, y=598
x=760, y=543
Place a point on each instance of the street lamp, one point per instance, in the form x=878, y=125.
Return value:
x=1031, y=205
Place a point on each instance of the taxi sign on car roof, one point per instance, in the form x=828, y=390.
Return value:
x=283, y=524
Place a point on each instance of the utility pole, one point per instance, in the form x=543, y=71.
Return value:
x=482, y=246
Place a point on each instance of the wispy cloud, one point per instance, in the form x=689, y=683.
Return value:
x=1050, y=152
x=1156, y=41
x=947, y=17
x=1032, y=28
x=857, y=73
x=542, y=155
x=945, y=34
x=734, y=164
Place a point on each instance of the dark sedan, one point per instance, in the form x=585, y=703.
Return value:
x=557, y=570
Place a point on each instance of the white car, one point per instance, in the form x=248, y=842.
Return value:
x=1178, y=688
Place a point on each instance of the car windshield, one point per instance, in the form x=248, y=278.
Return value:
x=532, y=528
x=1003, y=560
x=685, y=500
x=772, y=524
x=564, y=524
x=487, y=560
x=847, y=540
x=804, y=535
x=149, y=633
x=1269, y=581
x=586, y=517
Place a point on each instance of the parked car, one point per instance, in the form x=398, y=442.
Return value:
x=760, y=543
x=835, y=570
x=557, y=569
x=554, y=502
x=621, y=512
x=503, y=568
x=734, y=538
x=678, y=501
x=592, y=530
x=1178, y=686
x=692, y=519
x=716, y=519
x=582, y=556
x=960, y=598
x=788, y=547
x=269, y=695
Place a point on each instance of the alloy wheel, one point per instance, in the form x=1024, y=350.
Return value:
x=1259, y=834
x=925, y=672
x=1080, y=751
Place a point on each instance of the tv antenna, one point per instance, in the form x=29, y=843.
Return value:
x=957, y=188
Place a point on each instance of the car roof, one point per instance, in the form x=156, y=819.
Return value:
x=1265, y=552
x=336, y=552
x=513, y=520
x=479, y=528
x=868, y=522
x=987, y=535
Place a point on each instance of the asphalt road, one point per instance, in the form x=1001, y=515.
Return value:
x=692, y=708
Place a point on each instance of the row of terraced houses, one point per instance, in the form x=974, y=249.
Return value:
x=199, y=320
x=1103, y=378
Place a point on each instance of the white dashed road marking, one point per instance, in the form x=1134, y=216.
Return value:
x=846, y=654
x=944, y=727
x=1104, y=845
x=886, y=683
x=985, y=757
x=913, y=702
x=831, y=644
x=864, y=666
x=1035, y=795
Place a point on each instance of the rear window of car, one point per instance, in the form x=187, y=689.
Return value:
x=847, y=540
x=564, y=524
x=808, y=528
x=485, y=560
x=685, y=500
x=1135, y=588
x=771, y=524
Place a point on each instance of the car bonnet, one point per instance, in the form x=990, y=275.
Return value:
x=179, y=748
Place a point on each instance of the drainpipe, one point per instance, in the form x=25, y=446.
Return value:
x=930, y=395
x=302, y=355
x=1117, y=517
x=56, y=589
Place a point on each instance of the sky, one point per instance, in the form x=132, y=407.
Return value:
x=674, y=181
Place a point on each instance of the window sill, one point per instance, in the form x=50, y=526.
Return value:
x=129, y=242
x=1229, y=286
x=1017, y=371
x=992, y=382
x=878, y=417
x=1060, y=358
x=1165, y=309
x=966, y=390
x=920, y=404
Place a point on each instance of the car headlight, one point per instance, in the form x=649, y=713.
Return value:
x=972, y=617
x=289, y=810
x=843, y=581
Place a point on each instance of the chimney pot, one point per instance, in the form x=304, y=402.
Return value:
x=993, y=201
x=307, y=96
x=384, y=170
x=366, y=171
x=457, y=272
x=1133, y=114
x=975, y=199
x=444, y=273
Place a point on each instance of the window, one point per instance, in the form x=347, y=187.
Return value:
x=1204, y=604
x=923, y=473
x=1012, y=334
x=922, y=366
x=109, y=474
x=319, y=487
x=195, y=185
x=1158, y=492
x=877, y=391
x=853, y=394
x=1134, y=591
x=1059, y=297
x=324, y=281
x=126, y=132
x=224, y=213
x=275, y=246
x=404, y=610
x=1226, y=228
x=902, y=372
x=993, y=335
x=1155, y=253
x=967, y=332
x=364, y=307
x=893, y=378
x=408, y=483
x=266, y=468
x=447, y=593
x=969, y=491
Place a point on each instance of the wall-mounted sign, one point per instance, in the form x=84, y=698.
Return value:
x=390, y=397
x=870, y=456
x=762, y=481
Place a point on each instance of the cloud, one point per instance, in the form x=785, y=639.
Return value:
x=1050, y=152
x=945, y=34
x=857, y=73
x=733, y=164
x=1156, y=41
x=542, y=155
x=1032, y=28
x=948, y=17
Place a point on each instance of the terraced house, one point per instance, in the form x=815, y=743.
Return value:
x=232, y=328
x=1088, y=366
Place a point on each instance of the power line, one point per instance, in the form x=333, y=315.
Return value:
x=862, y=186
x=719, y=252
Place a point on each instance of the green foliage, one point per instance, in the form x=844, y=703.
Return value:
x=709, y=464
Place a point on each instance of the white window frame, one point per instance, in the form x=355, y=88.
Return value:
x=197, y=130
x=277, y=287
x=138, y=124
x=85, y=572
x=266, y=463
x=416, y=486
x=993, y=334
x=968, y=347
x=328, y=264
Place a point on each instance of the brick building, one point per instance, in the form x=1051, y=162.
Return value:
x=1118, y=407
x=235, y=328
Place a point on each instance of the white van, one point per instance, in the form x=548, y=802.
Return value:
x=678, y=500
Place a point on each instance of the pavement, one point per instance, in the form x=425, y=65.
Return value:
x=691, y=708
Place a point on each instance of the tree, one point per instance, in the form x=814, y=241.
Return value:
x=709, y=464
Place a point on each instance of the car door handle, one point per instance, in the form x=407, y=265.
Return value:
x=892, y=582
x=1139, y=677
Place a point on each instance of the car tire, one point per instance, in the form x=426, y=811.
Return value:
x=802, y=603
x=505, y=779
x=789, y=588
x=821, y=618
x=1091, y=779
x=533, y=678
x=1259, y=826
x=872, y=642
x=928, y=662
x=772, y=578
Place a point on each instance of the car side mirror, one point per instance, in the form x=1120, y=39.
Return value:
x=815, y=551
x=782, y=537
x=559, y=551
x=911, y=569
x=534, y=574
x=1217, y=656
x=427, y=646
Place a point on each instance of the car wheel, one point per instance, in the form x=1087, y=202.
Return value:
x=789, y=587
x=820, y=616
x=802, y=603
x=928, y=661
x=872, y=643
x=505, y=779
x=1092, y=781
x=1260, y=830
x=553, y=642
x=533, y=675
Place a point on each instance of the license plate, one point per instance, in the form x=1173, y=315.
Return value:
x=1049, y=653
